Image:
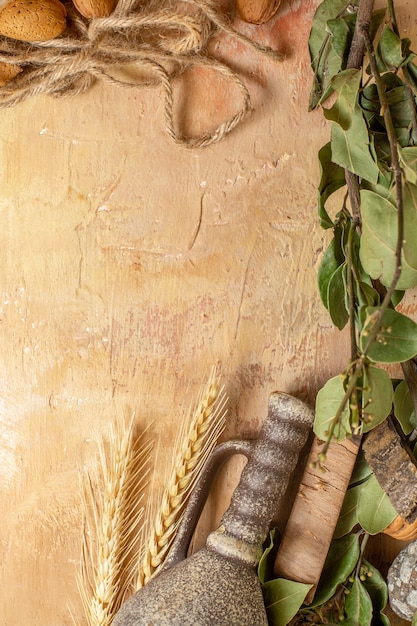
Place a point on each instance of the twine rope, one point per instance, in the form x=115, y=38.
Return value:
x=159, y=43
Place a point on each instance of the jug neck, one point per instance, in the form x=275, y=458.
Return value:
x=232, y=548
x=264, y=481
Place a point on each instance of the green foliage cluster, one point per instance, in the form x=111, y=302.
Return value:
x=372, y=258
x=369, y=170
x=362, y=278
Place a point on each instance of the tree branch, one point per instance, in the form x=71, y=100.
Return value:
x=355, y=61
x=363, y=20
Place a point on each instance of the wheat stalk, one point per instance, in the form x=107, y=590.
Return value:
x=206, y=425
x=113, y=522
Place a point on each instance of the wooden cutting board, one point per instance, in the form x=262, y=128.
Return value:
x=129, y=265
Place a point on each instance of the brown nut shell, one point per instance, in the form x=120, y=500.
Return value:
x=32, y=20
x=95, y=8
x=257, y=11
x=8, y=72
x=401, y=529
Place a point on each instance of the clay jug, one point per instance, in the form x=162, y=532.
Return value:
x=218, y=586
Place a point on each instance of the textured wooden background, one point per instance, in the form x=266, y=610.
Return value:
x=129, y=265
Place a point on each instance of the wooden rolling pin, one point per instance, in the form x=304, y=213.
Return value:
x=313, y=518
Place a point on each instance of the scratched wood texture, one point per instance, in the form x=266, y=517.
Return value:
x=129, y=265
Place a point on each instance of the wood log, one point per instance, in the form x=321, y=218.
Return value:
x=395, y=468
x=314, y=516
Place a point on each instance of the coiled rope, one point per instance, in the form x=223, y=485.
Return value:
x=159, y=43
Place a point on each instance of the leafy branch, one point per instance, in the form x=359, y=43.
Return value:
x=369, y=264
x=360, y=277
x=365, y=82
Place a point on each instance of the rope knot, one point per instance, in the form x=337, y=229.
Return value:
x=159, y=43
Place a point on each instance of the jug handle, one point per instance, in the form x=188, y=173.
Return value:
x=198, y=497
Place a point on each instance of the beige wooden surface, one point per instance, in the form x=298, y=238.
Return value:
x=129, y=265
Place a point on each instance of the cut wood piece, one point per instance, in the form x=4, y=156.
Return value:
x=401, y=529
x=395, y=468
x=315, y=513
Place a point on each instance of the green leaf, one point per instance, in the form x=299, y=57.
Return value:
x=408, y=54
x=350, y=148
x=332, y=178
x=282, y=599
x=348, y=517
x=378, y=17
x=340, y=31
x=346, y=84
x=384, y=187
x=408, y=160
x=401, y=109
x=361, y=471
x=397, y=297
x=332, y=259
x=328, y=401
x=377, y=589
x=265, y=566
x=396, y=340
x=412, y=73
x=389, y=53
x=375, y=511
x=379, y=237
x=340, y=561
x=376, y=397
x=414, y=622
x=404, y=407
x=381, y=620
x=327, y=45
x=358, y=606
x=366, y=295
x=336, y=297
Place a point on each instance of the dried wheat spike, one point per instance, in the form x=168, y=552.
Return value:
x=113, y=522
x=207, y=423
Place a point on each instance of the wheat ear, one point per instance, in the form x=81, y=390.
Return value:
x=206, y=425
x=113, y=522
